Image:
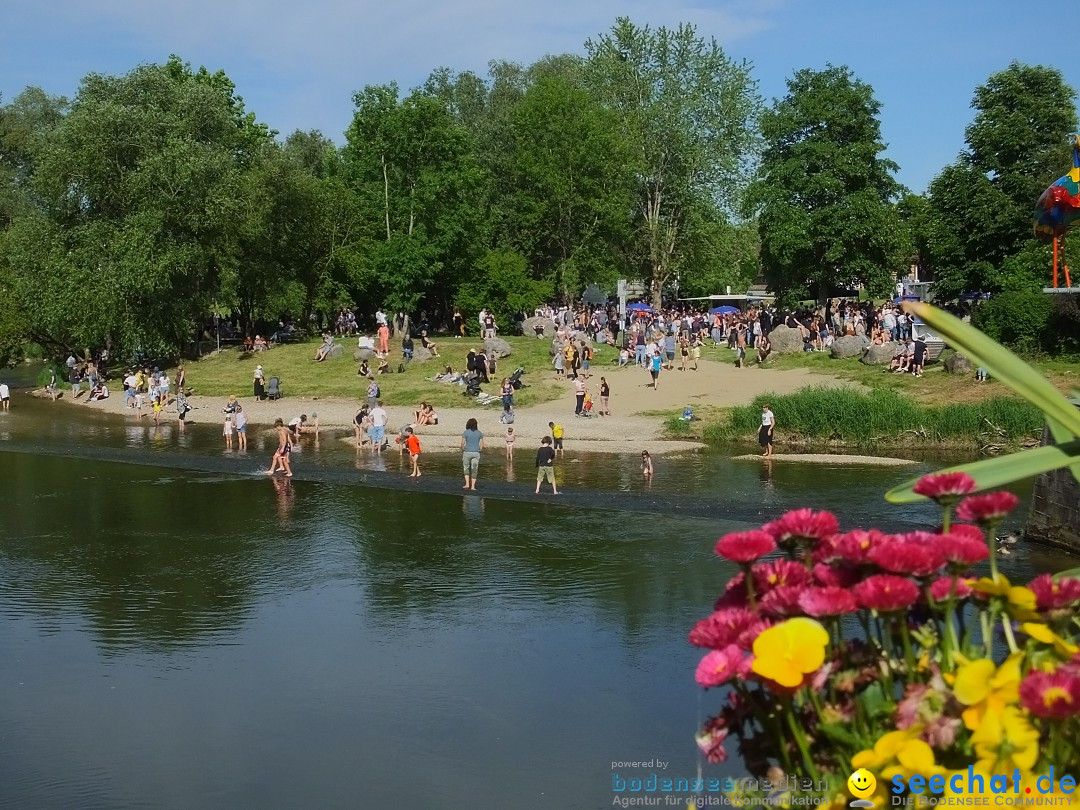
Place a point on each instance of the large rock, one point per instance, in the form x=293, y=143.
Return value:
x=420, y=354
x=337, y=350
x=528, y=327
x=957, y=364
x=785, y=340
x=879, y=355
x=497, y=348
x=363, y=354
x=848, y=346
x=582, y=336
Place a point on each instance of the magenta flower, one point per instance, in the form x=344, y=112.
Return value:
x=711, y=743
x=907, y=555
x=744, y=547
x=1053, y=695
x=886, y=593
x=734, y=595
x=828, y=601
x=745, y=641
x=777, y=574
x=855, y=545
x=940, y=588
x=1055, y=594
x=988, y=508
x=783, y=601
x=722, y=628
x=719, y=666
x=962, y=549
x=967, y=530
x=805, y=524
x=945, y=488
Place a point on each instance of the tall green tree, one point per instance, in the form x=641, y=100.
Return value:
x=981, y=206
x=570, y=186
x=825, y=193
x=689, y=113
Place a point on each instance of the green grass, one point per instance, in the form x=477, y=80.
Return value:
x=879, y=416
x=230, y=372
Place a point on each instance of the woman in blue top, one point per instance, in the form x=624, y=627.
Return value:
x=654, y=367
x=472, y=442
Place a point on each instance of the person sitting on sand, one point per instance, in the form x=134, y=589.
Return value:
x=425, y=415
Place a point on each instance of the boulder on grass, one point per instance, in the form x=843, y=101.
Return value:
x=848, y=346
x=786, y=340
x=582, y=336
x=337, y=350
x=497, y=348
x=528, y=327
x=880, y=355
x=420, y=354
x=957, y=364
x=363, y=354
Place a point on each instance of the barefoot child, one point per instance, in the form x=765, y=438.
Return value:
x=281, y=455
x=510, y=443
x=415, y=450
x=545, y=465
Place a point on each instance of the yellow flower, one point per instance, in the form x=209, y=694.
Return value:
x=915, y=758
x=982, y=687
x=1019, y=601
x=885, y=749
x=789, y=651
x=1005, y=740
x=1040, y=632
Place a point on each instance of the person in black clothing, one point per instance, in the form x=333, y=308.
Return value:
x=918, y=357
x=545, y=465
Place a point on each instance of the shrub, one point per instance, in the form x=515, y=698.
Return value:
x=1019, y=319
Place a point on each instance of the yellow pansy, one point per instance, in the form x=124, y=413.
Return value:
x=1019, y=601
x=1005, y=740
x=789, y=651
x=981, y=687
x=1040, y=632
x=885, y=749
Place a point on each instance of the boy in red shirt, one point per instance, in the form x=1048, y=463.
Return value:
x=413, y=444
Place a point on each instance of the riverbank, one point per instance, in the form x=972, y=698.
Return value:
x=637, y=410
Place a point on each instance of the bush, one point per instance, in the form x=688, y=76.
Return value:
x=1063, y=328
x=862, y=418
x=1018, y=319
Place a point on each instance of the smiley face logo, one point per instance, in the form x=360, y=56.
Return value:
x=862, y=784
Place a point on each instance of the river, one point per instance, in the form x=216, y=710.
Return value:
x=179, y=631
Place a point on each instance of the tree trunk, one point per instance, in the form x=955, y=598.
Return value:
x=386, y=196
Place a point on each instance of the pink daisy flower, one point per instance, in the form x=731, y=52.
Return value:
x=963, y=549
x=734, y=595
x=778, y=573
x=719, y=666
x=855, y=545
x=721, y=628
x=903, y=555
x=839, y=575
x=945, y=487
x=940, y=588
x=803, y=524
x=783, y=601
x=744, y=547
x=1053, y=695
x=1055, y=594
x=988, y=508
x=745, y=641
x=885, y=593
x=827, y=601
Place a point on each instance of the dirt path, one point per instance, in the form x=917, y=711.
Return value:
x=716, y=383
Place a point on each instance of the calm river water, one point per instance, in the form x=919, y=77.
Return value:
x=177, y=631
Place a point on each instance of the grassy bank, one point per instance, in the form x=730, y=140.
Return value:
x=844, y=416
x=230, y=372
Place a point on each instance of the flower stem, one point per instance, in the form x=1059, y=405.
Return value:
x=1006, y=625
x=800, y=739
x=749, y=580
x=988, y=636
x=905, y=636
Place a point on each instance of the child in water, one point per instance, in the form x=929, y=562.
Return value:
x=646, y=465
x=510, y=444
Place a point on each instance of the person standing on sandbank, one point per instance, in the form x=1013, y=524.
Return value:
x=765, y=434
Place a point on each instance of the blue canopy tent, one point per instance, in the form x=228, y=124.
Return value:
x=724, y=310
x=639, y=307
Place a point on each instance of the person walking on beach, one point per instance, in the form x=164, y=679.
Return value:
x=560, y=364
x=579, y=393
x=413, y=445
x=284, y=448
x=557, y=436
x=472, y=442
x=545, y=465
x=510, y=443
x=605, y=392
x=740, y=345
x=259, y=384
x=765, y=434
x=5, y=396
x=654, y=368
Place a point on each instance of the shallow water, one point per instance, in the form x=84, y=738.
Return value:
x=177, y=631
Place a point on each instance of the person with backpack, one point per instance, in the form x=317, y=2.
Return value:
x=373, y=394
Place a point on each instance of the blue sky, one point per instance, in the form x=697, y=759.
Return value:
x=297, y=64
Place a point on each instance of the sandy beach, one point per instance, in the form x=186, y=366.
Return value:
x=627, y=430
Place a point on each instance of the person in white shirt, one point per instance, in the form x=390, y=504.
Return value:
x=130, y=384
x=380, y=317
x=377, y=431
x=240, y=423
x=5, y=395
x=765, y=434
